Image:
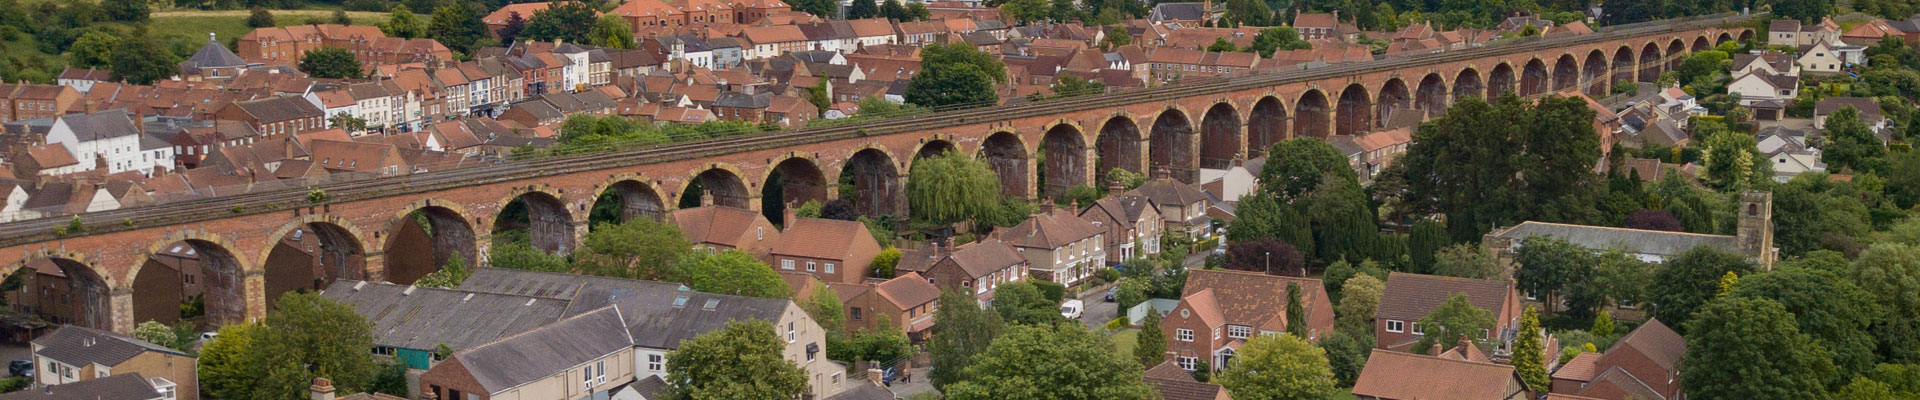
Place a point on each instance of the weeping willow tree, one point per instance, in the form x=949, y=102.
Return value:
x=951, y=187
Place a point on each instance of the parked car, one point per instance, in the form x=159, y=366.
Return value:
x=1110, y=292
x=20, y=368
x=889, y=376
x=208, y=336
x=1072, y=308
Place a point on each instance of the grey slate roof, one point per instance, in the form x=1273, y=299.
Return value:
x=543, y=352
x=1179, y=12
x=649, y=307
x=80, y=346
x=278, y=108
x=864, y=390
x=213, y=55
x=1628, y=240
x=101, y=125
x=743, y=100
x=128, y=386
x=421, y=319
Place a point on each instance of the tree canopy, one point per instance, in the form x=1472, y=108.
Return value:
x=330, y=62
x=1470, y=162
x=1748, y=348
x=1278, y=367
x=741, y=361
x=1051, y=361
x=955, y=74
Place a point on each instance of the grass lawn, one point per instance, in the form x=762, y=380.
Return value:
x=1123, y=341
x=1342, y=394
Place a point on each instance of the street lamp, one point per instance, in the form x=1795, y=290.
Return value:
x=1268, y=256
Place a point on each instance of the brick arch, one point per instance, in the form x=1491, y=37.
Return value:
x=1174, y=144
x=549, y=233
x=1593, y=73
x=651, y=185
x=1086, y=137
x=90, y=287
x=360, y=236
x=1266, y=124
x=112, y=281
x=1014, y=169
x=1701, y=43
x=1115, y=149
x=1566, y=72
x=1430, y=93
x=1392, y=94
x=773, y=165
x=1222, y=134
x=935, y=141
x=879, y=193
x=1313, y=114
x=1353, y=110
x=227, y=279
x=1071, y=158
x=1674, y=48
x=1468, y=82
x=749, y=187
x=456, y=231
x=1501, y=79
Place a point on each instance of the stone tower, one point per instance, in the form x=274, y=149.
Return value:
x=1755, y=232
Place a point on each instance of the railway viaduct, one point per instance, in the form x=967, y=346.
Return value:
x=377, y=229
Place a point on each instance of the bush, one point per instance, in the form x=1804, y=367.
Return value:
x=1108, y=274
x=13, y=384
x=1053, y=291
x=260, y=18
x=1117, y=323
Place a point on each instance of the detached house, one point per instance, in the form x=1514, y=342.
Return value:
x=833, y=250
x=1410, y=297
x=1645, y=364
x=1391, y=375
x=1222, y=309
x=74, y=354
x=1182, y=208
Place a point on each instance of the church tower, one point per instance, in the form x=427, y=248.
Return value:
x=1755, y=231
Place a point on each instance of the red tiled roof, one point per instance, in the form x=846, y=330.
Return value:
x=1411, y=297
x=1580, y=368
x=1395, y=375
x=820, y=238
x=716, y=224
x=907, y=291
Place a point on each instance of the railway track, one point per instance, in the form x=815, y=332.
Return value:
x=187, y=211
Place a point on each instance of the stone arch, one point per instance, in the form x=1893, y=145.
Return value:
x=1675, y=50
x=1500, y=81
x=1064, y=144
x=1566, y=73
x=1534, y=78
x=1221, y=137
x=1312, y=115
x=1432, y=94
x=1355, y=111
x=428, y=234
x=1006, y=154
x=627, y=196
x=1700, y=44
x=792, y=180
x=718, y=184
x=879, y=184
x=65, y=287
x=1119, y=146
x=311, y=252
x=1171, y=143
x=541, y=213
x=1468, y=85
x=1266, y=125
x=194, y=264
x=1650, y=62
x=1394, y=95
x=1624, y=67
x=1594, y=74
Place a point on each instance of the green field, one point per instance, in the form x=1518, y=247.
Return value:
x=1123, y=341
x=231, y=24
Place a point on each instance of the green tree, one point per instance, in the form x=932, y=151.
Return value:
x=1807, y=11
x=612, y=31
x=1347, y=353
x=403, y=23
x=863, y=9
x=347, y=122
x=141, y=60
x=1602, y=325
x=1150, y=346
x=819, y=8
x=1070, y=85
x=1277, y=38
x=884, y=263
x=1359, y=300
x=226, y=369
x=951, y=187
x=155, y=332
x=1025, y=10
x=520, y=255
x=1470, y=163
x=1022, y=302
x=1295, y=167
x=330, y=62
x=340, y=17
x=1550, y=267
x=1248, y=13
x=126, y=10
x=826, y=309
x=638, y=248
x=567, y=20
x=448, y=276
x=729, y=272
x=741, y=361
x=1424, y=243
x=1851, y=145
x=820, y=95
x=1221, y=45
x=1296, y=312
x=305, y=336
x=259, y=18
x=1890, y=274
x=93, y=49
x=1283, y=367
x=1466, y=260
x=1057, y=361
x=1263, y=217
x=1737, y=341
x=1691, y=279
x=1454, y=319
x=1529, y=355
x=1828, y=307
x=892, y=10
x=955, y=75
x=458, y=26
x=966, y=330
x=1733, y=162
x=1118, y=36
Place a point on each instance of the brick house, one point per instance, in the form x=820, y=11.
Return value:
x=372, y=158
x=724, y=228
x=1410, y=297
x=1181, y=206
x=835, y=251
x=75, y=354
x=1174, y=383
x=1644, y=364
x=1222, y=309
x=1316, y=25
x=1059, y=246
x=975, y=267
x=907, y=302
x=275, y=115
x=582, y=356
x=1392, y=375
x=30, y=100
x=1133, y=226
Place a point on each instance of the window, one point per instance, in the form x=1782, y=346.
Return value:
x=1396, y=326
x=1239, y=332
x=786, y=265
x=790, y=333
x=656, y=362
x=1187, y=363
x=810, y=266
x=829, y=268
x=587, y=377
x=856, y=313
x=1184, y=334
x=1417, y=330
x=600, y=372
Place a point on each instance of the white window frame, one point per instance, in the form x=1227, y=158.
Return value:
x=656, y=362
x=1183, y=334
x=811, y=265
x=1188, y=363
x=1239, y=331
x=829, y=268
x=786, y=265
x=1396, y=326
x=1417, y=330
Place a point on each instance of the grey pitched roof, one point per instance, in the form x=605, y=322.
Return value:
x=743, y=100
x=1623, y=239
x=129, y=386
x=649, y=307
x=1868, y=108
x=1170, y=192
x=421, y=319
x=80, y=346
x=543, y=352
x=101, y=125
x=651, y=387
x=1179, y=12
x=864, y=390
x=213, y=55
x=276, y=109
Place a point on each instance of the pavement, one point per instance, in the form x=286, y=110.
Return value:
x=922, y=383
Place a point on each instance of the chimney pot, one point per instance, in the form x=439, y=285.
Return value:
x=875, y=375
x=322, y=389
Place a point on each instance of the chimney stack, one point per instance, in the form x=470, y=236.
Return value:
x=1114, y=188
x=322, y=389
x=878, y=377
x=429, y=396
x=1046, y=207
